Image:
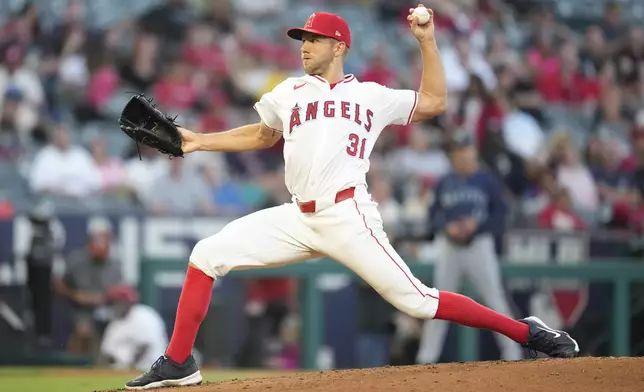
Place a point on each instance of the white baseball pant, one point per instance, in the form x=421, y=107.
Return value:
x=349, y=231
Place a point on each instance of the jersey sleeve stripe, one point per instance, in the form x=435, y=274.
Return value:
x=413, y=108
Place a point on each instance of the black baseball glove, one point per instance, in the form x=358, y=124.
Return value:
x=142, y=121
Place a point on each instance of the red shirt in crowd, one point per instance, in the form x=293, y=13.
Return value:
x=577, y=89
x=629, y=164
x=403, y=133
x=102, y=85
x=207, y=57
x=212, y=122
x=490, y=119
x=553, y=217
x=270, y=289
x=6, y=210
x=175, y=94
x=381, y=75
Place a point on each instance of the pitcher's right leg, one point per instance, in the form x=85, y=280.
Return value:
x=360, y=243
x=356, y=239
x=271, y=237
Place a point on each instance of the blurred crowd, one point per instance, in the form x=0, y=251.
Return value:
x=556, y=109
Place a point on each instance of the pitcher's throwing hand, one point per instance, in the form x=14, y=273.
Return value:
x=422, y=31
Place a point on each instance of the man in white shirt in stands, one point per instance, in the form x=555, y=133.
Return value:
x=136, y=336
x=62, y=169
x=521, y=132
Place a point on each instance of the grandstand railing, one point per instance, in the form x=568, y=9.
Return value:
x=619, y=273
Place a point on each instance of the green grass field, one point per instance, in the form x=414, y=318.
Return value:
x=27, y=379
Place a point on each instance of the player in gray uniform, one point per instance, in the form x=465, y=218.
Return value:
x=467, y=212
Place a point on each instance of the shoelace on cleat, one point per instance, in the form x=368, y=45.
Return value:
x=156, y=364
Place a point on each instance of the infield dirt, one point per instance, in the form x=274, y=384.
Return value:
x=551, y=375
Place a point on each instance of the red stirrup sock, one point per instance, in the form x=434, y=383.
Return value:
x=465, y=311
x=193, y=306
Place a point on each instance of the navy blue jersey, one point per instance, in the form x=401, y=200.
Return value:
x=478, y=196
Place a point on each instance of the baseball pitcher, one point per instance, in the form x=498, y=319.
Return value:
x=329, y=122
x=467, y=212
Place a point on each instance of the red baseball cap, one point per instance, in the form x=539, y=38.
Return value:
x=325, y=24
x=122, y=293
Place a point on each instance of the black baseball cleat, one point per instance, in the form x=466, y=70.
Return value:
x=166, y=373
x=556, y=344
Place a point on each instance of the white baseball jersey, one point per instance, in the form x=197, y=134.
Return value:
x=329, y=133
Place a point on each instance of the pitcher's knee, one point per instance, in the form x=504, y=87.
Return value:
x=205, y=256
x=420, y=307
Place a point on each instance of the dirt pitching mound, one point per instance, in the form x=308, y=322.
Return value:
x=571, y=375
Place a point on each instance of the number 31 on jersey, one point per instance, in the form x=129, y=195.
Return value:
x=356, y=146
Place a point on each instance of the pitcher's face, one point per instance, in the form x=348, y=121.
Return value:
x=318, y=53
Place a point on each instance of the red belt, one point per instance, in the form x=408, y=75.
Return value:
x=309, y=207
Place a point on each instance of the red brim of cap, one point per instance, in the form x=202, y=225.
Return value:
x=296, y=33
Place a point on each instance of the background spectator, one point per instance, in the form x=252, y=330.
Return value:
x=573, y=175
x=46, y=241
x=89, y=273
x=64, y=169
x=184, y=191
x=135, y=335
x=559, y=214
x=112, y=171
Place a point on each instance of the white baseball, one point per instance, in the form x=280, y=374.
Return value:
x=422, y=14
